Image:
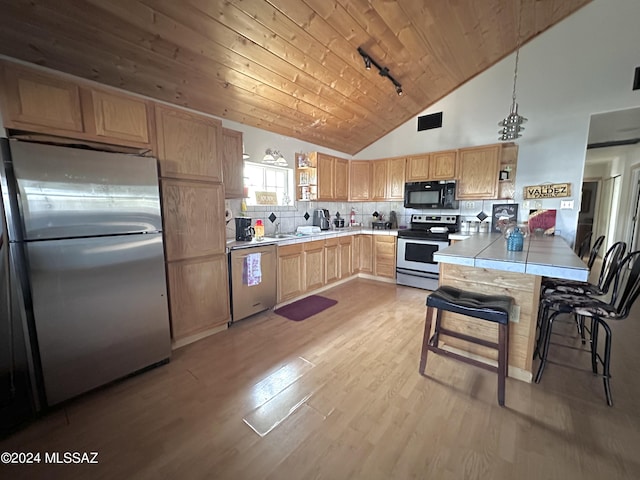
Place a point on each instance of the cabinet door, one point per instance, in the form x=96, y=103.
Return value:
x=359, y=180
x=395, y=178
x=341, y=179
x=38, y=102
x=232, y=164
x=442, y=165
x=346, y=269
x=418, y=168
x=189, y=145
x=198, y=295
x=326, y=176
x=331, y=261
x=313, y=265
x=290, y=272
x=379, y=180
x=112, y=116
x=366, y=253
x=385, y=256
x=478, y=172
x=193, y=215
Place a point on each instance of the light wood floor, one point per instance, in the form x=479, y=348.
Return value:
x=363, y=411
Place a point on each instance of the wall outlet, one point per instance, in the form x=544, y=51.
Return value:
x=537, y=204
x=525, y=204
x=566, y=204
x=469, y=205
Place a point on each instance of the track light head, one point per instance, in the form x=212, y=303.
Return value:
x=383, y=71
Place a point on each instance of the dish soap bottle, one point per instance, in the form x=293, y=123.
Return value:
x=515, y=242
x=259, y=230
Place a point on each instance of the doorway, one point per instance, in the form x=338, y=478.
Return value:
x=587, y=214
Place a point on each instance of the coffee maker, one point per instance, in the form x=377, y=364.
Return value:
x=321, y=218
x=244, y=230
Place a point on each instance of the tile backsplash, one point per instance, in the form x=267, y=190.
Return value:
x=291, y=217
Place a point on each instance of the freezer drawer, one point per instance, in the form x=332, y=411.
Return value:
x=247, y=300
x=100, y=309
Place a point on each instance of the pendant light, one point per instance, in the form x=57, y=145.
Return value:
x=512, y=123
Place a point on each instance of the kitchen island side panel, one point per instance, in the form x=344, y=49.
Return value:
x=524, y=288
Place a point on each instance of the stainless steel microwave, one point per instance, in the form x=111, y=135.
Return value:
x=439, y=195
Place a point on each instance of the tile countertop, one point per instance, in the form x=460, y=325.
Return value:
x=546, y=256
x=340, y=232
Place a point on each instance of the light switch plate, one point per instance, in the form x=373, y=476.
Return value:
x=566, y=204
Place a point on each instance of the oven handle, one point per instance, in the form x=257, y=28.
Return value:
x=417, y=273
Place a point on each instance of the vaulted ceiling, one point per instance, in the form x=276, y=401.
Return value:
x=286, y=66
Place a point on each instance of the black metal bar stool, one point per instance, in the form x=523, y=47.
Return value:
x=493, y=308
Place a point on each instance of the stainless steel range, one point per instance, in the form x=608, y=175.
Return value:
x=415, y=265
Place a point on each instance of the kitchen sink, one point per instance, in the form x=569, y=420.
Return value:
x=281, y=236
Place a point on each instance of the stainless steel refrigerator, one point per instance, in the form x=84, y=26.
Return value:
x=84, y=276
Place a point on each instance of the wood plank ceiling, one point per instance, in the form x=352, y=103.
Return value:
x=286, y=66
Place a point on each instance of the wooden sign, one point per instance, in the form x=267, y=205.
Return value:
x=266, y=198
x=555, y=190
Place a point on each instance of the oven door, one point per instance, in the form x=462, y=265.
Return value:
x=415, y=266
x=417, y=254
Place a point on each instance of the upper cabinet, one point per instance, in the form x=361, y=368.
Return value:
x=507, y=175
x=387, y=179
x=478, y=169
x=40, y=102
x=442, y=165
x=189, y=145
x=110, y=115
x=432, y=166
x=232, y=164
x=360, y=180
x=332, y=177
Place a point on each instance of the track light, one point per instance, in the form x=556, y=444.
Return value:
x=383, y=71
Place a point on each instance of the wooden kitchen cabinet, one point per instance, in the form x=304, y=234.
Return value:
x=363, y=254
x=193, y=215
x=341, y=179
x=378, y=180
x=232, y=164
x=333, y=177
x=385, y=256
x=359, y=180
x=432, y=166
x=290, y=271
x=41, y=102
x=313, y=265
x=442, y=165
x=326, y=177
x=418, y=168
x=387, y=179
x=189, y=145
x=345, y=249
x=395, y=178
x=477, y=169
x=113, y=116
x=331, y=260
x=198, y=295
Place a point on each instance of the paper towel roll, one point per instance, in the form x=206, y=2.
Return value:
x=228, y=215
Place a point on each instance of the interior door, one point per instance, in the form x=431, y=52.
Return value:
x=587, y=210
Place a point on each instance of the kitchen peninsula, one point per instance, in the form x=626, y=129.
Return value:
x=481, y=263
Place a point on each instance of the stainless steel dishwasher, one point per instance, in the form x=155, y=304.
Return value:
x=247, y=299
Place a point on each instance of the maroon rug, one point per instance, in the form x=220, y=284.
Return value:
x=306, y=307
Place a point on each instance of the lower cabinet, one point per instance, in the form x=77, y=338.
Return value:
x=198, y=295
x=346, y=268
x=331, y=260
x=363, y=254
x=290, y=272
x=385, y=256
x=313, y=265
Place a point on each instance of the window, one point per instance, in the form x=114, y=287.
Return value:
x=268, y=178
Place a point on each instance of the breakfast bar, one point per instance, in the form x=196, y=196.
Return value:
x=481, y=263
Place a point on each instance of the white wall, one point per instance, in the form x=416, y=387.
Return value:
x=583, y=65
